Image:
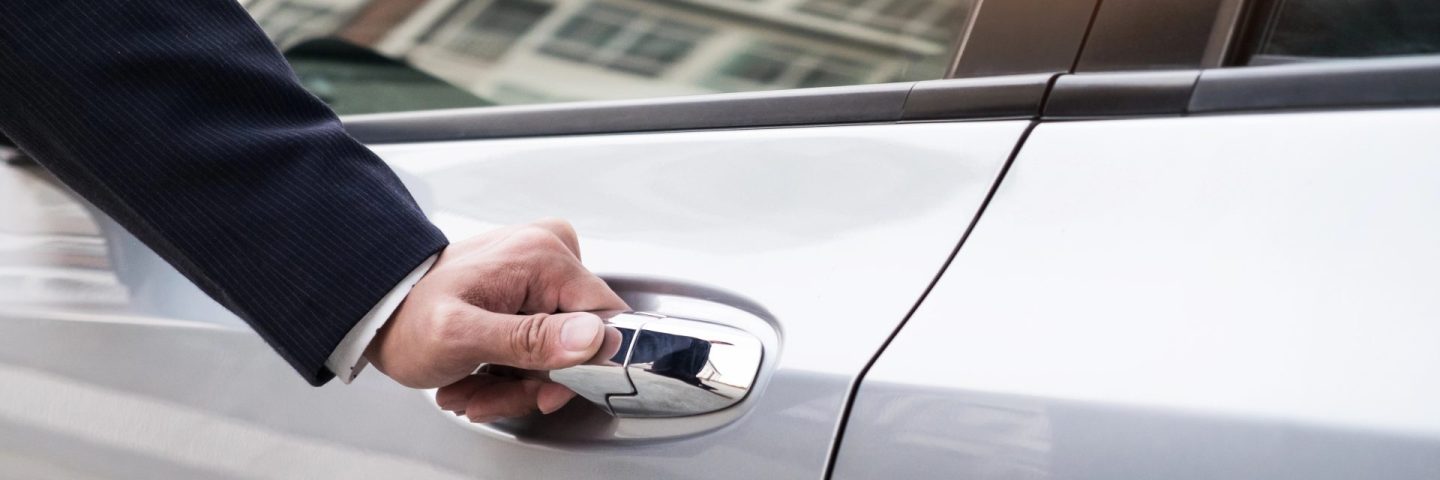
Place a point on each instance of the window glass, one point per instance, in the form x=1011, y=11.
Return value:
x=538, y=51
x=771, y=65
x=287, y=22
x=921, y=18
x=625, y=40
x=488, y=35
x=1302, y=30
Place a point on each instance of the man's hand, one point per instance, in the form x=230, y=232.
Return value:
x=490, y=299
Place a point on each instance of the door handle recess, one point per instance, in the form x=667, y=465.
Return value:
x=667, y=367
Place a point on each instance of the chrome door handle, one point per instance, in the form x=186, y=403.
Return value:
x=667, y=367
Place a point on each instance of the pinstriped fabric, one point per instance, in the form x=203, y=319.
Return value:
x=181, y=120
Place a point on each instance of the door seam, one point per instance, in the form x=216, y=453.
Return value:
x=854, y=390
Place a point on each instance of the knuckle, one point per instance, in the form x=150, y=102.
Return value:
x=535, y=239
x=529, y=337
x=519, y=402
x=552, y=222
x=558, y=225
x=534, y=236
x=519, y=408
x=479, y=408
x=502, y=403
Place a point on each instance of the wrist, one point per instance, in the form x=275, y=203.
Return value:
x=350, y=357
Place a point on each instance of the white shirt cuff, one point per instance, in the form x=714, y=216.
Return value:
x=348, y=359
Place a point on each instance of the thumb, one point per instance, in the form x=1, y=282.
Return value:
x=538, y=342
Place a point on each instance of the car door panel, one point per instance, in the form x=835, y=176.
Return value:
x=1239, y=296
x=831, y=233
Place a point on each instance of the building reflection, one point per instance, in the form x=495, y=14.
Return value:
x=535, y=51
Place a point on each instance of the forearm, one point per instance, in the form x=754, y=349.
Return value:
x=182, y=121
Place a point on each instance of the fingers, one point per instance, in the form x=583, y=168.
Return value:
x=510, y=398
x=447, y=326
x=608, y=348
x=546, y=256
x=485, y=398
x=552, y=227
x=533, y=342
x=552, y=396
x=455, y=396
x=562, y=230
x=583, y=291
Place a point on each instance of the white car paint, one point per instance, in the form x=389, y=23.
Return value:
x=1243, y=296
x=832, y=233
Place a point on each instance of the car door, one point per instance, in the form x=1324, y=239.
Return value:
x=1200, y=265
x=811, y=218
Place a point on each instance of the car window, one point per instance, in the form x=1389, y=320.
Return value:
x=509, y=52
x=1305, y=30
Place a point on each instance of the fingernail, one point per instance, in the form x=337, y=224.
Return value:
x=580, y=331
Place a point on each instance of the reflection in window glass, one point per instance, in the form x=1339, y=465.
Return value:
x=594, y=26
x=935, y=19
x=776, y=66
x=288, y=22
x=1310, y=29
x=834, y=71
x=625, y=40
x=492, y=32
x=533, y=51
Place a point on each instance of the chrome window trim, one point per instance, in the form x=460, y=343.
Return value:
x=1112, y=80
x=989, y=98
x=1367, y=83
x=989, y=78
x=830, y=105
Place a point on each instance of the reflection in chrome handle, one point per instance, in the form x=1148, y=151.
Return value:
x=668, y=367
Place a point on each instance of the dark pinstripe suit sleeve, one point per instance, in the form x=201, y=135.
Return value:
x=180, y=119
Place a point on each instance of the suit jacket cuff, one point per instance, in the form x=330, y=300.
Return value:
x=348, y=359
